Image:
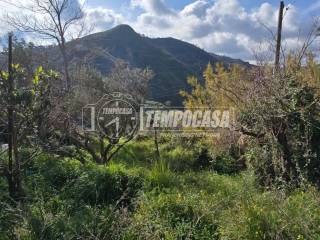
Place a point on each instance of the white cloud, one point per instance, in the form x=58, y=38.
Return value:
x=266, y=13
x=198, y=8
x=156, y=7
x=221, y=43
x=220, y=26
x=102, y=19
x=214, y=26
x=26, y=11
x=227, y=8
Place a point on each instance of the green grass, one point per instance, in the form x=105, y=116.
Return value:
x=150, y=199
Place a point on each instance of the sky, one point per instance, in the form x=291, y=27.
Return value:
x=235, y=28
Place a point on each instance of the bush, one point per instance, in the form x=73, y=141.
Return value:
x=174, y=216
x=57, y=172
x=224, y=164
x=179, y=159
x=104, y=185
x=136, y=153
x=161, y=176
x=84, y=222
x=10, y=219
x=273, y=215
x=89, y=184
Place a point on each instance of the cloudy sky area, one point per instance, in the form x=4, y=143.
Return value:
x=235, y=28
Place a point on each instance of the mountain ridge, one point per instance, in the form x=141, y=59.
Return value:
x=172, y=60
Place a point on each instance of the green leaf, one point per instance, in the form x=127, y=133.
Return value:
x=36, y=80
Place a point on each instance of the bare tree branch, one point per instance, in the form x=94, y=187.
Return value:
x=51, y=19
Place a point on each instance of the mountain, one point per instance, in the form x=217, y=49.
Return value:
x=171, y=60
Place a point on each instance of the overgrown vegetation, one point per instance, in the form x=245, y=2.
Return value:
x=247, y=185
x=68, y=200
x=259, y=180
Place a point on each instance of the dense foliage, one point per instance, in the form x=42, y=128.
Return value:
x=278, y=117
x=137, y=197
x=258, y=181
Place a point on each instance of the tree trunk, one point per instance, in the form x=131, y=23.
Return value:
x=65, y=65
x=290, y=168
x=156, y=144
x=13, y=173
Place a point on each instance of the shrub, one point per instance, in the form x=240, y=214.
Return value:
x=224, y=164
x=10, y=219
x=273, y=215
x=179, y=159
x=104, y=185
x=136, y=153
x=84, y=222
x=56, y=171
x=161, y=176
x=174, y=215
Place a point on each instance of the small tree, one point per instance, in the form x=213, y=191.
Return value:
x=222, y=88
x=31, y=107
x=278, y=115
x=55, y=20
x=283, y=113
x=69, y=139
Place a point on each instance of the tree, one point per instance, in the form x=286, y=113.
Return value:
x=222, y=87
x=124, y=79
x=30, y=107
x=283, y=113
x=55, y=20
x=69, y=139
x=278, y=115
x=26, y=55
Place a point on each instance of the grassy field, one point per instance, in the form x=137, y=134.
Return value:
x=138, y=197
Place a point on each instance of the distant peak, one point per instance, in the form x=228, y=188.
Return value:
x=123, y=28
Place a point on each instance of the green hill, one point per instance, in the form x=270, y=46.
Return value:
x=171, y=60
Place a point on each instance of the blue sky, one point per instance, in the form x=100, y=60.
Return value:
x=179, y=4
x=119, y=5
x=235, y=28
